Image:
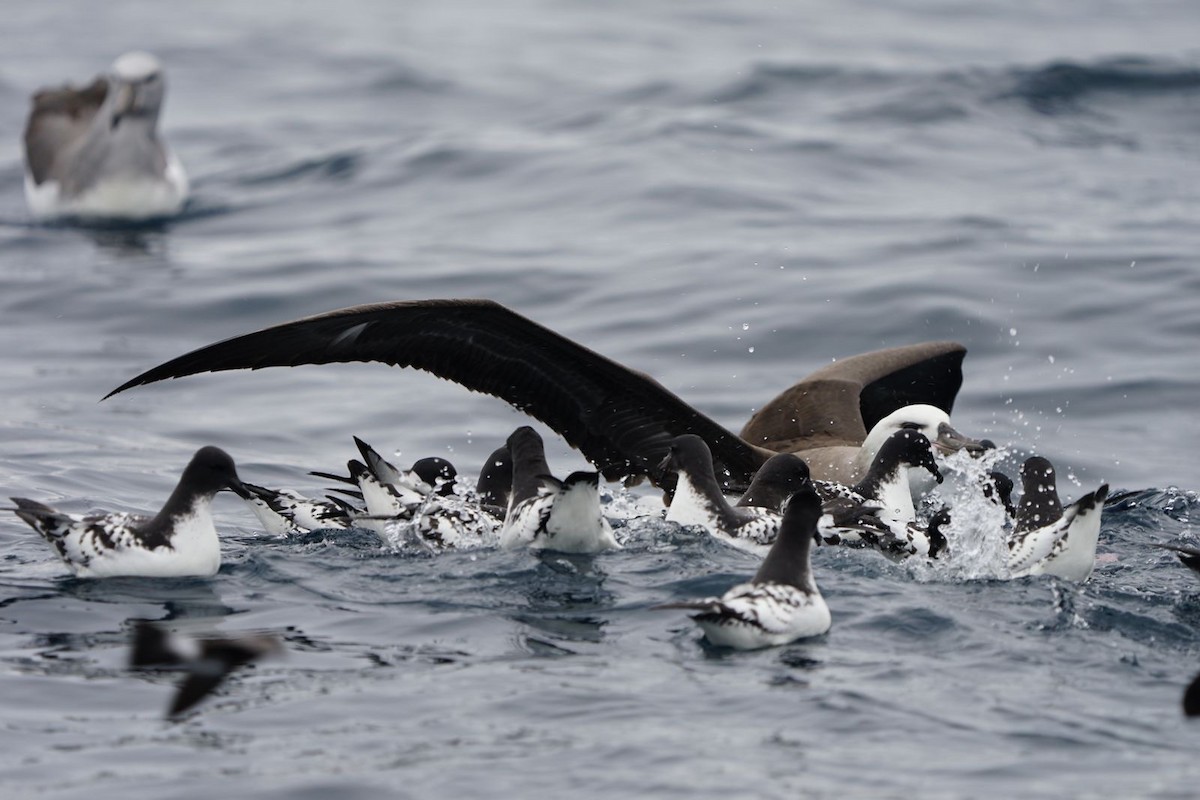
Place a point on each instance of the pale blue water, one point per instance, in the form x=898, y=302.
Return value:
x=672, y=186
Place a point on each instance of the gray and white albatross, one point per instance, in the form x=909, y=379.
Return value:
x=622, y=420
x=95, y=153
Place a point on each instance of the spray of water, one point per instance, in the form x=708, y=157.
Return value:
x=977, y=535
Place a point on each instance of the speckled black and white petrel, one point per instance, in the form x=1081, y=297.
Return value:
x=887, y=487
x=1049, y=539
x=781, y=603
x=95, y=152
x=179, y=540
x=283, y=512
x=699, y=501
x=622, y=420
x=545, y=513
x=207, y=660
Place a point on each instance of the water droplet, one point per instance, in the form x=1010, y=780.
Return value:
x=745, y=326
x=1012, y=331
x=750, y=349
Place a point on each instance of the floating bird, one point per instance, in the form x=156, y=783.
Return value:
x=180, y=540
x=886, y=486
x=545, y=513
x=1048, y=539
x=620, y=419
x=699, y=501
x=781, y=603
x=95, y=153
x=283, y=512
x=206, y=660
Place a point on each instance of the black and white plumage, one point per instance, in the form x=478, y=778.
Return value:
x=206, y=660
x=998, y=488
x=545, y=513
x=180, y=540
x=1049, y=539
x=95, y=152
x=618, y=417
x=283, y=512
x=781, y=603
x=698, y=500
x=887, y=487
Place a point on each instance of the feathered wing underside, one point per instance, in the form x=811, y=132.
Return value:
x=622, y=421
x=839, y=403
x=58, y=119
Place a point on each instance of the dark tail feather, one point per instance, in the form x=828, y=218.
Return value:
x=152, y=647
x=34, y=513
x=196, y=686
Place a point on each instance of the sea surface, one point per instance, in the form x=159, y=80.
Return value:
x=726, y=196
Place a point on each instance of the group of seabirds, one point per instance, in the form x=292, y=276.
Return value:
x=845, y=457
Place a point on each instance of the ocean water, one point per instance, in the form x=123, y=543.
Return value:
x=726, y=196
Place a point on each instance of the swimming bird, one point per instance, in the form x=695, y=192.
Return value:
x=698, y=500
x=207, y=660
x=180, y=540
x=426, y=475
x=621, y=419
x=781, y=603
x=1049, y=539
x=886, y=486
x=283, y=511
x=95, y=152
x=545, y=513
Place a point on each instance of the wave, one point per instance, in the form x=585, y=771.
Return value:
x=1058, y=87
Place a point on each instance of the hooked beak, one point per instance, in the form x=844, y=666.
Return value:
x=239, y=488
x=667, y=464
x=951, y=441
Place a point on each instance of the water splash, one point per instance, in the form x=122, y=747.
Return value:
x=976, y=537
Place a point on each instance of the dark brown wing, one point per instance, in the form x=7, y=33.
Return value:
x=58, y=118
x=621, y=420
x=839, y=403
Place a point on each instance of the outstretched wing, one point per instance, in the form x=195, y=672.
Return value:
x=622, y=420
x=839, y=403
